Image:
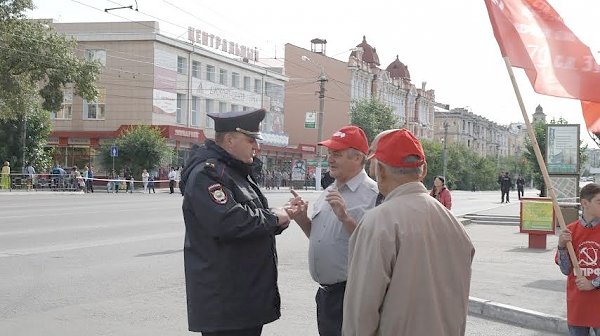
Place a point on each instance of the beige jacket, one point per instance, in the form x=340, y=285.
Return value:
x=409, y=269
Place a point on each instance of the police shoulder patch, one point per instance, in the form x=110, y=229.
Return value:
x=217, y=194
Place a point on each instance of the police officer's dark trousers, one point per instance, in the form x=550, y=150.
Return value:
x=242, y=332
x=330, y=309
x=505, y=192
x=171, y=186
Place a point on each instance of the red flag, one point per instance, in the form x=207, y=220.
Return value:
x=534, y=37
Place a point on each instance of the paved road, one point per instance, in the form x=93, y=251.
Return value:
x=106, y=264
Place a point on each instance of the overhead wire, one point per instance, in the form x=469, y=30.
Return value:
x=160, y=19
x=134, y=74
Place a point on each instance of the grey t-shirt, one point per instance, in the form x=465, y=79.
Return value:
x=328, y=247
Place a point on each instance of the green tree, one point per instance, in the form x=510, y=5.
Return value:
x=484, y=174
x=433, y=153
x=11, y=136
x=466, y=169
x=373, y=116
x=140, y=147
x=36, y=62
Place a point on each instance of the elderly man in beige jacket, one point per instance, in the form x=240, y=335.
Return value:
x=410, y=258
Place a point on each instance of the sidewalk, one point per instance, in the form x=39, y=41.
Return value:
x=512, y=282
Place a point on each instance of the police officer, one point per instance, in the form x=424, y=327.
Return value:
x=229, y=252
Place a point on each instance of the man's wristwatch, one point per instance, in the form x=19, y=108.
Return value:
x=596, y=282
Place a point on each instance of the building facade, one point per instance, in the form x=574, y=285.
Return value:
x=361, y=77
x=485, y=137
x=151, y=79
x=413, y=106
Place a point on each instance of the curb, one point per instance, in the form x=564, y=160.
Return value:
x=465, y=221
x=520, y=316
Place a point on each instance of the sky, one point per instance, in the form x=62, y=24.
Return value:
x=447, y=44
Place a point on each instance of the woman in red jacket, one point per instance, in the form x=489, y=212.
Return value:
x=441, y=193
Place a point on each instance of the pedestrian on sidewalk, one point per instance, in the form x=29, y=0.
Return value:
x=5, y=179
x=505, y=183
x=90, y=179
x=145, y=177
x=441, y=193
x=128, y=180
x=30, y=176
x=172, y=176
x=583, y=292
x=335, y=215
x=401, y=250
x=520, y=186
x=151, y=184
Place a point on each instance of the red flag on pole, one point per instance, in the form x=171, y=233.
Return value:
x=534, y=37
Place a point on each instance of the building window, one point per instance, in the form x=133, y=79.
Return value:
x=235, y=107
x=235, y=80
x=195, y=110
x=66, y=111
x=210, y=123
x=95, y=110
x=222, y=107
x=96, y=55
x=195, y=69
x=181, y=105
x=181, y=65
x=258, y=86
x=246, y=83
x=223, y=76
x=210, y=73
x=274, y=91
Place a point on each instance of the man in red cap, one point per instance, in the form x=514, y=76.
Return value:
x=401, y=251
x=334, y=217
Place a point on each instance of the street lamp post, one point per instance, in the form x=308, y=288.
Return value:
x=322, y=79
x=24, y=141
x=445, y=155
x=497, y=156
x=517, y=154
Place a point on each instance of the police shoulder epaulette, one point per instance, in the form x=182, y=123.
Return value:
x=210, y=164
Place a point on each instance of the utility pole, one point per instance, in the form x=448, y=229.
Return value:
x=445, y=157
x=24, y=144
x=322, y=80
x=497, y=156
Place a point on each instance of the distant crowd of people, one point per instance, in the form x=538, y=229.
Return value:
x=506, y=184
x=84, y=180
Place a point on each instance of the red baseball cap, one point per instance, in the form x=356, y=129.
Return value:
x=347, y=137
x=394, y=147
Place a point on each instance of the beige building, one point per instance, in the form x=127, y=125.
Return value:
x=413, y=106
x=361, y=77
x=481, y=135
x=149, y=78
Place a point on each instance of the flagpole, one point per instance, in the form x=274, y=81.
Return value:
x=542, y=164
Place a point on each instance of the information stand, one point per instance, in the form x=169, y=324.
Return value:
x=537, y=220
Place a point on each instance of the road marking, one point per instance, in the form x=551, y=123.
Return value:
x=75, y=246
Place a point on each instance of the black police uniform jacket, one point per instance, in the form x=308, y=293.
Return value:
x=229, y=252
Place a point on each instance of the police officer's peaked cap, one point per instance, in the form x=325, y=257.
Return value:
x=246, y=122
